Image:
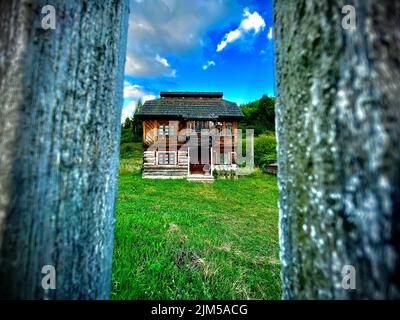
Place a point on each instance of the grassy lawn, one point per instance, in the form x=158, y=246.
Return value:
x=181, y=240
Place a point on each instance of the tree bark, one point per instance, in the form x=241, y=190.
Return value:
x=61, y=99
x=338, y=125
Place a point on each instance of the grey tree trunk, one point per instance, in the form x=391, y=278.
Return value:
x=61, y=99
x=338, y=123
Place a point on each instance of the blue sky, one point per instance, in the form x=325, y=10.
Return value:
x=199, y=45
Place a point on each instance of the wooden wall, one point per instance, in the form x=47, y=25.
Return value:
x=150, y=130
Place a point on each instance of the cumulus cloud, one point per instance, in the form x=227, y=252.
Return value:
x=132, y=94
x=143, y=65
x=133, y=91
x=252, y=23
x=208, y=64
x=160, y=28
x=128, y=111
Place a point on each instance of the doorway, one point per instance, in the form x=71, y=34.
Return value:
x=199, y=161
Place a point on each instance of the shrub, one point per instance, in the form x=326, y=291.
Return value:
x=264, y=150
x=126, y=150
x=126, y=136
x=215, y=173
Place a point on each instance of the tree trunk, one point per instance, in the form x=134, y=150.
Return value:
x=61, y=99
x=338, y=124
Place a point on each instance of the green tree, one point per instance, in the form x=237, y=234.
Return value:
x=127, y=123
x=259, y=115
x=136, y=123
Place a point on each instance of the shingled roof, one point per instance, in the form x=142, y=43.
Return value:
x=190, y=105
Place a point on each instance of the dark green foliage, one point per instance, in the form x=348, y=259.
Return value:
x=224, y=174
x=259, y=115
x=137, y=124
x=132, y=128
x=127, y=123
x=126, y=151
x=264, y=150
x=126, y=135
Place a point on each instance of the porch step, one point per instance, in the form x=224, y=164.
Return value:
x=200, y=178
x=163, y=174
x=149, y=166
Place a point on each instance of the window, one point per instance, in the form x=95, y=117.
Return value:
x=200, y=125
x=166, y=158
x=166, y=130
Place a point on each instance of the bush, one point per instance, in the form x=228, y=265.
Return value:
x=126, y=150
x=126, y=136
x=264, y=150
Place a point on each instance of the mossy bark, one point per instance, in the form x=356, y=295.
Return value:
x=61, y=98
x=338, y=127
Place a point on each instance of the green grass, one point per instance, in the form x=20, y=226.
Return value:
x=181, y=240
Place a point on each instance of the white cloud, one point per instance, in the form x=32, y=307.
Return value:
x=270, y=34
x=208, y=64
x=163, y=61
x=133, y=93
x=148, y=97
x=170, y=27
x=252, y=23
x=135, y=66
x=139, y=65
x=128, y=111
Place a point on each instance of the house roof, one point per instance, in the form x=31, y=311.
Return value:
x=182, y=94
x=190, y=105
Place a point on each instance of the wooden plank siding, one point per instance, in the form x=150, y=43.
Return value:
x=150, y=133
x=152, y=168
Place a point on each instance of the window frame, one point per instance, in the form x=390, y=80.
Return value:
x=163, y=153
x=166, y=130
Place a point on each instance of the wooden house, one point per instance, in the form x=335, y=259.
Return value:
x=189, y=135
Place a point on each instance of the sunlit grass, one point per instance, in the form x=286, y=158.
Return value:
x=180, y=240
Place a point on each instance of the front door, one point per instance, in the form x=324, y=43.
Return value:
x=199, y=161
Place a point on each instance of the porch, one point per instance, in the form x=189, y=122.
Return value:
x=195, y=163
